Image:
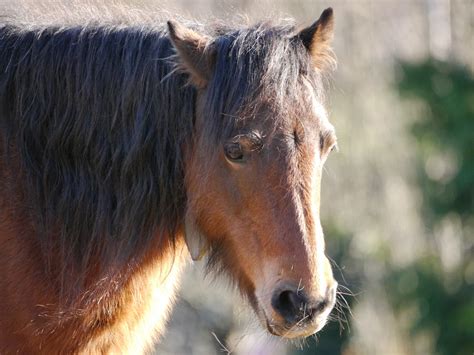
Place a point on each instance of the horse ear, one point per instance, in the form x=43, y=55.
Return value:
x=193, y=51
x=195, y=240
x=317, y=39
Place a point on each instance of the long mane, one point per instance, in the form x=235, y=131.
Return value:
x=98, y=119
x=99, y=113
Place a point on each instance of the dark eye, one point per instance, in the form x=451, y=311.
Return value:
x=233, y=152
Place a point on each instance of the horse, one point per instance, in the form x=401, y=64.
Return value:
x=126, y=149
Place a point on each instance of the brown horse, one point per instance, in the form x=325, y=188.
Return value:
x=121, y=145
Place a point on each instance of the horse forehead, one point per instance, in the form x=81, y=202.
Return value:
x=306, y=105
x=305, y=116
x=272, y=114
x=313, y=100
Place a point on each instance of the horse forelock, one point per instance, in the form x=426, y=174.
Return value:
x=260, y=66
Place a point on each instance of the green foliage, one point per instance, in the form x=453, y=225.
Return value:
x=447, y=314
x=442, y=302
x=446, y=130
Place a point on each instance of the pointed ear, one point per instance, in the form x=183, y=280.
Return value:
x=193, y=51
x=195, y=240
x=317, y=39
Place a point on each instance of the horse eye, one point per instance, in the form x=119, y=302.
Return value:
x=233, y=152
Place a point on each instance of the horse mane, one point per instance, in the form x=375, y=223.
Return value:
x=99, y=112
x=98, y=120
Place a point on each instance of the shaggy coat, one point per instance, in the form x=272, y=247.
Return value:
x=98, y=127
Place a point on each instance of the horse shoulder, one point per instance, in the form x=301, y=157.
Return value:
x=130, y=321
x=147, y=302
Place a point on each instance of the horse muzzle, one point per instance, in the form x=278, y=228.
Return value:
x=295, y=314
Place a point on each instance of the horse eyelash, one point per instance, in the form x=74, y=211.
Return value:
x=297, y=138
x=332, y=140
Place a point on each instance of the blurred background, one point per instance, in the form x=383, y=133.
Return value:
x=398, y=197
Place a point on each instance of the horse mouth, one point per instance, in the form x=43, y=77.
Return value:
x=295, y=331
x=301, y=329
x=290, y=313
x=298, y=330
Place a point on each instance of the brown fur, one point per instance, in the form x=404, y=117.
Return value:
x=127, y=320
x=258, y=218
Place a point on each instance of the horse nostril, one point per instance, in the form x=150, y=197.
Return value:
x=290, y=305
x=294, y=306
